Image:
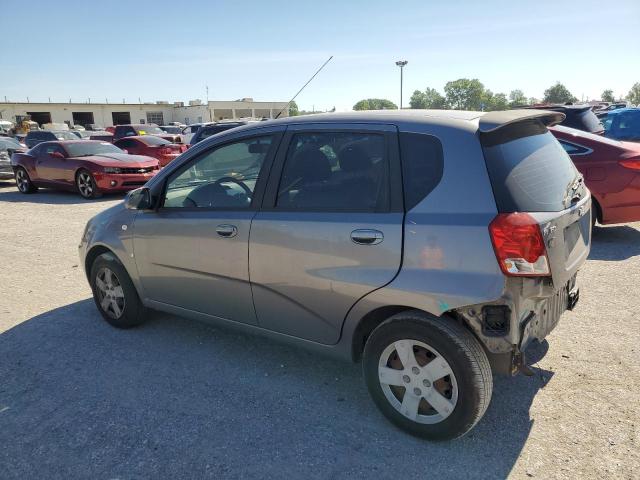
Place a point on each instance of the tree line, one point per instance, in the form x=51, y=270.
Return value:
x=471, y=94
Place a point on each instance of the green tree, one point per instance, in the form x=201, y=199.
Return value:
x=558, y=93
x=634, y=94
x=430, y=98
x=517, y=98
x=607, y=96
x=464, y=94
x=293, y=109
x=495, y=102
x=375, y=104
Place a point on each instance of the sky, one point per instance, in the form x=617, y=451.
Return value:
x=168, y=50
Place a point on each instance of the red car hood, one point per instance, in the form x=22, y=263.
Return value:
x=121, y=160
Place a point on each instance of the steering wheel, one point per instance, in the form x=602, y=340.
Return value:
x=240, y=183
x=205, y=194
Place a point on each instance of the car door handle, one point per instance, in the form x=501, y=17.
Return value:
x=227, y=231
x=367, y=237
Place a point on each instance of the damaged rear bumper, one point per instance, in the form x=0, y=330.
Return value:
x=529, y=310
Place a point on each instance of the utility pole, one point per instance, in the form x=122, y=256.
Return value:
x=401, y=64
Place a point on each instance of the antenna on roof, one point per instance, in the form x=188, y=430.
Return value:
x=308, y=82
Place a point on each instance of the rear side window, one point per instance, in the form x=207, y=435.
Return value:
x=422, y=166
x=335, y=171
x=529, y=169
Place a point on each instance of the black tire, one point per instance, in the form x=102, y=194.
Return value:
x=466, y=359
x=23, y=181
x=86, y=185
x=132, y=312
x=596, y=213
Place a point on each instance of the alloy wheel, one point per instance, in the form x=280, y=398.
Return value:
x=85, y=184
x=22, y=180
x=417, y=381
x=110, y=293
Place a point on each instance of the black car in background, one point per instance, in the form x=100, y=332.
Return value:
x=580, y=117
x=209, y=129
x=35, y=137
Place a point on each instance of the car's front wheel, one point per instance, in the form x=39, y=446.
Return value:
x=114, y=293
x=86, y=185
x=24, y=183
x=428, y=375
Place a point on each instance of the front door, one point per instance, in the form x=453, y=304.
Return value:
x=193, y=251
x=51, y=168
x=330, y=230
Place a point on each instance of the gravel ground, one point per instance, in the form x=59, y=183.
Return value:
x=79, y=399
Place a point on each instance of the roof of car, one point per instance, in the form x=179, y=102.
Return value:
x=484, y=121
x=67, y=142
x=621, y=110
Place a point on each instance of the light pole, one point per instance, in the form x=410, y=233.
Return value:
x=401, y=64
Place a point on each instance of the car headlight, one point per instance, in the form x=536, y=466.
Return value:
x=112, y=170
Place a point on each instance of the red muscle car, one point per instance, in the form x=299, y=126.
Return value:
x=152, y=146
x=86, y=166
x=611, y=170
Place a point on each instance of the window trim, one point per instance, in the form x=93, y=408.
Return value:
x=390, y=133
x=258, y=191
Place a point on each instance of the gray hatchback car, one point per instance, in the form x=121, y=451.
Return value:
x=432, y=246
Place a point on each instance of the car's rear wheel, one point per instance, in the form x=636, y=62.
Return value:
x=24, y=183
x=428, y=375
x=86, y=184
x=114, y=293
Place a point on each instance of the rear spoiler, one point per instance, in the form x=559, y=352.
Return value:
x=493, y=121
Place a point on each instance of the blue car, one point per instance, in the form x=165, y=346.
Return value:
x=622, y=124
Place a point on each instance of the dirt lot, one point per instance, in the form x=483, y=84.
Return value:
x=79, y=399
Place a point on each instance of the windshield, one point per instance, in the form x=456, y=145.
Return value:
x=172, y=129
x=149, y=130
x=529, y=170
x=591, y=122
x=83, y=149
x=153, y=141
x=62, y=135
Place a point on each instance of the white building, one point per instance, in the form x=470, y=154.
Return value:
x=161, y=112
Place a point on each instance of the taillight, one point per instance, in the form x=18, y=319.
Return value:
x=631, y=163
x=519, y=245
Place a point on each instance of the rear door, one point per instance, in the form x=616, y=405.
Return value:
x=531, y=172
x=330, y=229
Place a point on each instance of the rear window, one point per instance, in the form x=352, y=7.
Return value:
x=586, y=120
x=529, y=169
x=206, y=132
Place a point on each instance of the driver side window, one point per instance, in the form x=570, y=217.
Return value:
x=224, y=177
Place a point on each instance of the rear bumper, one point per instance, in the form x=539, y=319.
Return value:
x=622, y=206
x=121, y=182
x=6, y=172
x=530, y=310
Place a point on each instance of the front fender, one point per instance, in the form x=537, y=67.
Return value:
x=111, y=230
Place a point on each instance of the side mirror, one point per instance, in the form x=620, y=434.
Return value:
x=138, y=199
x=56, y=155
